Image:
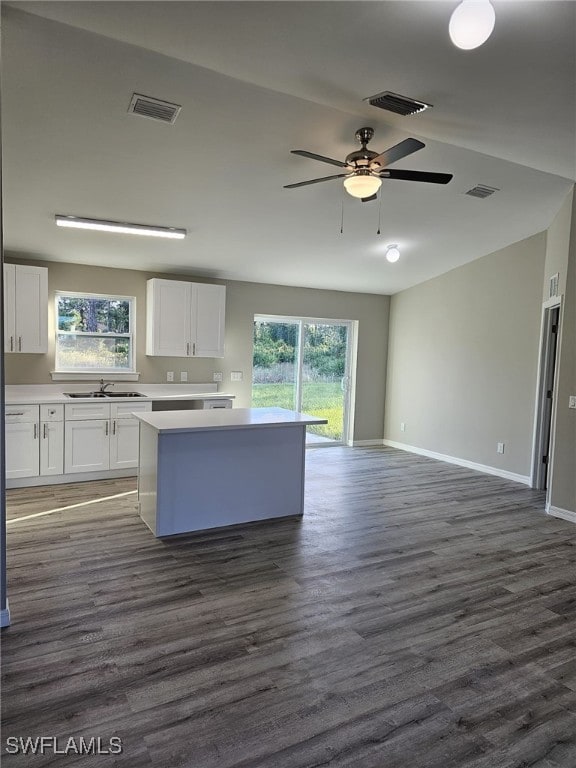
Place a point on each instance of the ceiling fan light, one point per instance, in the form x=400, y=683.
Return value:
x=471, y=23
x=362, y=185
x=392, y=253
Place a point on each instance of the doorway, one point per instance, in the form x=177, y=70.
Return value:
x=545, y=404
x=303, y=364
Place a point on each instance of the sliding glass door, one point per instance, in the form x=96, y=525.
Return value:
x=304, y=364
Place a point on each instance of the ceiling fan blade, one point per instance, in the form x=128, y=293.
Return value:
x=368, y=199
x=312, y=156
x=314, y=181
x=398, y=151
x=431, y=178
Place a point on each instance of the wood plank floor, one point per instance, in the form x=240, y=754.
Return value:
x=420, y=615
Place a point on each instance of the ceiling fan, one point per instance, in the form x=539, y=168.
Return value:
x=365, y=169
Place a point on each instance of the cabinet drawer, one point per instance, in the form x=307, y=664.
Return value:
x=51, y=413
x=21, y=413
x=124, y=410
x=82, y=411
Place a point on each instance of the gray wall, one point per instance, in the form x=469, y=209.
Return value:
x=563, y=482
x=463, y=356
x=243, y=301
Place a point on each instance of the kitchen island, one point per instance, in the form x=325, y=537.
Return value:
x=207, y=469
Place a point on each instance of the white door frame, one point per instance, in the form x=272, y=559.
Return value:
x=541, y=476
x=349, y=378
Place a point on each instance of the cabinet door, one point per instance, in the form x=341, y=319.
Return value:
x=22, y=451
x=51, y=448
x=208, y=306
x=168, y=331
x=31, y=309
x=124, y=440
x=87, y=445
x=9, y=307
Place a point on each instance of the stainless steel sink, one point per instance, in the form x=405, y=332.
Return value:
x=84, y=395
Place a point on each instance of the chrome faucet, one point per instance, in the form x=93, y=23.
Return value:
x=103, y=385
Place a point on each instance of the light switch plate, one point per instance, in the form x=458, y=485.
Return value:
x=183, y=375
x=572, y=401
x=236, y=376
x=170, y=376
x=217, y=376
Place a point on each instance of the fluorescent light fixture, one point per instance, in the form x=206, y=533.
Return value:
x=362, y=185
x=392, y=253
x=471, y=23
x=121, y=227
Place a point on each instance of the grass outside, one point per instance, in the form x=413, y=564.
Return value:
x=322, y=399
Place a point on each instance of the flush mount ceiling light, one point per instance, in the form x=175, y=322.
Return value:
x=121, y=227
x=392, y=253
x=471, y=23
x=362, y=184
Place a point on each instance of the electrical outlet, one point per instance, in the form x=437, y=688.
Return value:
x=170, y=376
x=217, y=376
x=402, y=426
x=572, y=401
x=236, y=376
x=183, y=375
x=500, y=448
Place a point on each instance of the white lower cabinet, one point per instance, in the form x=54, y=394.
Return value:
x=51, y=448
x=97, y=444
x=22, y=456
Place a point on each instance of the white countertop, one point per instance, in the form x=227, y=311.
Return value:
x=225, y=418
x=54, y=393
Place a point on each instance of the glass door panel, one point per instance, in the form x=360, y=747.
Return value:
x=275, y=364
x=323, y=380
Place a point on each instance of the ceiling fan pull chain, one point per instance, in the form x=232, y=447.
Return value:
x=342, y=214
x=379, y=211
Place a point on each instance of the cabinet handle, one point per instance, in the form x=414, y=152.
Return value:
x=187, y=347
x=19, y=343
x=114, y=427
x=106, y=429
x=35, y=431
x=11, y=343
x=194, y=348
x=44, y=432
x=15, y=413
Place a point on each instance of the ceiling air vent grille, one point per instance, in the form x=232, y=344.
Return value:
x=481, y=191
x=155, y=109
x=394, y=102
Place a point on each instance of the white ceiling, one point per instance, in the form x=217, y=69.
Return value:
x=256, y=80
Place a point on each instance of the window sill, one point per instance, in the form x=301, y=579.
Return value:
x=94, y=376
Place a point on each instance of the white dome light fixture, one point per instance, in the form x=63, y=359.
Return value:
x=471, y=23
x=392, y=253
x=362, y=184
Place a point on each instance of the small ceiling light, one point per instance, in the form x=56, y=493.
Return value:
x=392, y=253
x=362, y=184
x=120, y=227
x=471, y=23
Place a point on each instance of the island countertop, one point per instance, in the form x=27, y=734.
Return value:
x=221, y=419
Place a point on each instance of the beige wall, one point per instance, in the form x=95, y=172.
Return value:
x=563, y=482
x=243, y=301
x=557, y=246
x=463, y=355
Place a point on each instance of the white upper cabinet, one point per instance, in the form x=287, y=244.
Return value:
x=25, y=309
x=185, y=319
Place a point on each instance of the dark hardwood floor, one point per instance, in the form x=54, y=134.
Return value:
x=420, y=615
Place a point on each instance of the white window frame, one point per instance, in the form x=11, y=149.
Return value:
x=127, y=374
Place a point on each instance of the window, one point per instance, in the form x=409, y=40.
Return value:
x=94, y=333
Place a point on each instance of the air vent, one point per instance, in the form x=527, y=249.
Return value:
x=481, y=191
x=155, y=109
x=394, y=102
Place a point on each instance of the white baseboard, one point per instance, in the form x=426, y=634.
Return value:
x=76, y=477
x=5, y=616
x=488, y=470
x=565, y=514
x=367, y=443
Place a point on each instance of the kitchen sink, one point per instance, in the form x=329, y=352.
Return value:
x=103, y=394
